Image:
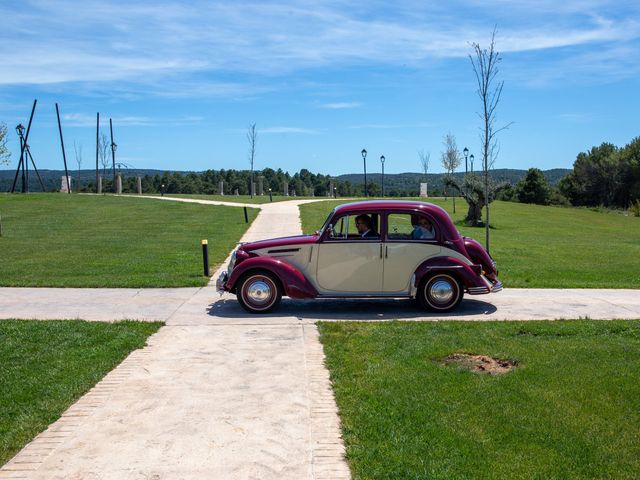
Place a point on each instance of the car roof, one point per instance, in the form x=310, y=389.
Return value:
x=386, y=205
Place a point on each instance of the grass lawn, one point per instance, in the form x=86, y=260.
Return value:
x=239, y=198
x=47, y=365
x=545, y=247
x=59, y=240
x=571, y=408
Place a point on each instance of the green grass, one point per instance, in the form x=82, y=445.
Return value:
x=238, y=199
x=46, y=366
x=58, y=240
x=570, y=410
x=545, y=247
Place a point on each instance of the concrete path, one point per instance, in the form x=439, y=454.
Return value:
x=209, y=397
x=204, y=306
x=221, y=394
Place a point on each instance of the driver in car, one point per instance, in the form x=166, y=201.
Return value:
x=364, y=226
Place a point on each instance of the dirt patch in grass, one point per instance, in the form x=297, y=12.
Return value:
x=480, y=363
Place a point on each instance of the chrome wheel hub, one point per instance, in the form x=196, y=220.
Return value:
x=259, y=292
x=441, y=291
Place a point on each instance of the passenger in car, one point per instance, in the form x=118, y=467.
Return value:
x=364, y=226
x=423, y=229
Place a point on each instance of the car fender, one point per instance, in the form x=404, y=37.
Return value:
x=469, y=275
x=294, y=283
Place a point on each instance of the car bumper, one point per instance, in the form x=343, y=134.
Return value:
x=488, y=287
x=221, y=281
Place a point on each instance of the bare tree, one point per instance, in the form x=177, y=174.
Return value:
x=424, y=162
x=104, y=148
x=5, y=154
x=252, y=137
x=451, y=159
x=77, y=148
x=485, y=66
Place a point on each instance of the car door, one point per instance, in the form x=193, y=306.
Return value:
x=347, y=263
x=402, y=253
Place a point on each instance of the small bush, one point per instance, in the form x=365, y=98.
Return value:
x=635, y=208
x=557, y=198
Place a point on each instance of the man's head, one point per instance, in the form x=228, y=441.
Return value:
x=363, y=223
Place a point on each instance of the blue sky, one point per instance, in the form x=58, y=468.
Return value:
x=182, y=81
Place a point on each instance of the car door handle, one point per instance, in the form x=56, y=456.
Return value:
x=380, y=250
x=386, y=251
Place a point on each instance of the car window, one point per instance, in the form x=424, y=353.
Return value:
x=404, y=226
x=350, y=227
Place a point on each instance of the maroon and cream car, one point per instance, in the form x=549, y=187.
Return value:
x=369, y=249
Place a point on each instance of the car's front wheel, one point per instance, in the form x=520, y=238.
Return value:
x=440, y=292
x=259, y=292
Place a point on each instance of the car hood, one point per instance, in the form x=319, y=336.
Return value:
x=279, y=242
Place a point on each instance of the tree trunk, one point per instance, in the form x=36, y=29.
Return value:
x=474, y=214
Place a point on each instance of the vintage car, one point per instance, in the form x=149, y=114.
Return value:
x=369, y=249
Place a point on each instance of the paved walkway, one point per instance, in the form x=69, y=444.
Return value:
x=210, y=397
x=220, y=394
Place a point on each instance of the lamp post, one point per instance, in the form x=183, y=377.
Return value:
x=364, y=158
x=335, y=190
x=471, y=157
x=466, y=153
x=382, y=159
x=270, y=196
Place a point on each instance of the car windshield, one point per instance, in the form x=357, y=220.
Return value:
x=326, y=223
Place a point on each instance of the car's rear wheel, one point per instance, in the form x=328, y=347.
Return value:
x=259, y=292
x=440, y=292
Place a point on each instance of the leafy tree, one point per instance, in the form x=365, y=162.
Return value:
x=473, y=189
x=595, y=177
x=533, y=188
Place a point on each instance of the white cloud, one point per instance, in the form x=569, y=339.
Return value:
x=207, y=43
x=89, y=120
x=341, y=105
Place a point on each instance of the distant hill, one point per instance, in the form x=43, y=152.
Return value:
x=408, y=181
x=402, y=181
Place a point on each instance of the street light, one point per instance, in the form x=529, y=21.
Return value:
x=20, y=130
x=335, y=189
x=364, y=158
x=270, y=197
x=466, y=166
x=471, y=157
x=382, y=159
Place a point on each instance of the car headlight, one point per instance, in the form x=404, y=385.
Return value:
x=232, y=262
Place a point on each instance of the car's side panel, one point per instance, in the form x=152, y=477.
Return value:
x=294, y=283
x=349, y=267
x=400, y=262
x=298, y=255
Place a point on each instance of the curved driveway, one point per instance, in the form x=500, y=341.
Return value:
x=219, y=394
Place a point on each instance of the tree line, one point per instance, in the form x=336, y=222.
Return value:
x=606, y=176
